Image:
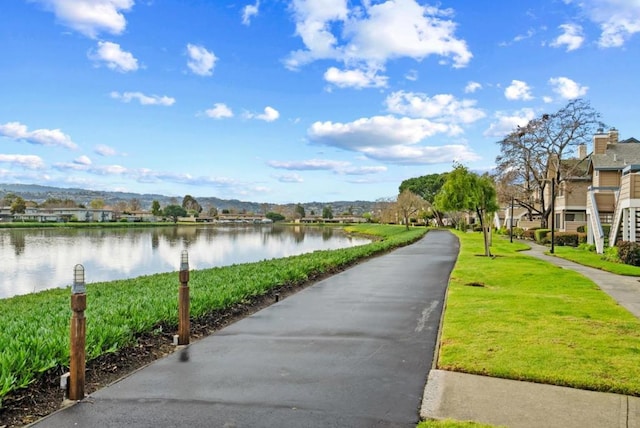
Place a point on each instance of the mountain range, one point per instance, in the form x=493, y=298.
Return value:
x=39, y=194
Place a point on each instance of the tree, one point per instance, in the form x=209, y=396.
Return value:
x=299, y=211
x=174, y=211
x=466, y=191
x=8, y=199
x=274, y=217
x=155, y=208
x=327, y=212
x=532, y=155
x=58, y=203
x=97, y=204
x=18, y=205
x=135, y=205
x=427, y=187
x=408, y=205
x=190, y=203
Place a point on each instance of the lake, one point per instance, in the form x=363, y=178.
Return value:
x=33, y=260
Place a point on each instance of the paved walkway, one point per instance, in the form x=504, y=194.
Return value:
x=353, y=350
x=529, y=405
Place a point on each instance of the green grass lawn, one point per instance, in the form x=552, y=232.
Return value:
x=517, y=317
x=590, y=258
x=451, y=424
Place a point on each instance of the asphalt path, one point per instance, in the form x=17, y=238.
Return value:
x=353, y=350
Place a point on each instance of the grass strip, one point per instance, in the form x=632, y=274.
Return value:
x=34, y=337
x=449, y=423
x=595, y=260
x=518, y=317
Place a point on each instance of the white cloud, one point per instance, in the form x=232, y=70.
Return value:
x=114, y=57
x=338, y=167
x=25, y=161
x=571, y=37
x=355, y=78
x=289, y=178
x=366, y=37
x=567, y=88
x=412, y=75
x=90, y=17
x=472, y=87
x=270, y=114
x=143, y=99
x=249, y=11
x=518, y=90
x=82, y=160
x=442, y=107
x=104, y=150
x=391, y=139
x=201, y=61
x=309, y=165
x=507, y=122
x=219, y=111
x=618, y=19
x=44, y=137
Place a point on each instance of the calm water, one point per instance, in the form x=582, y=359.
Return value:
x=32, y=260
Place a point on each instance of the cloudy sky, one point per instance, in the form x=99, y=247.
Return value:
x=294, y=100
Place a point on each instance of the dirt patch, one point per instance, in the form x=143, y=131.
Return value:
x=475, y=284
x=44, y=396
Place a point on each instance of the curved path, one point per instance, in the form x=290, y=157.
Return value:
x=353, y=350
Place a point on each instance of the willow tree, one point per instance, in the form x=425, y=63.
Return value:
x=467, y=191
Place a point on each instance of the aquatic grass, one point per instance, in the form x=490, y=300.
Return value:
x=34, y=333
x=518, y=317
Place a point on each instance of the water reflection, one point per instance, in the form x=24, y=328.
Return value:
x=36, y=259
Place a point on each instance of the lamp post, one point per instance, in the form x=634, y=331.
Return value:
x=553, y=213
x=78, y=335
x=183, y=300
x=511, y=222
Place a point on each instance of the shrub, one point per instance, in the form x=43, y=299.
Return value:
x=518, y=232
x=570, y=239
x=529, y=234
x=587, y=247
x=611, y=255
x=541, y=235
x=629, y=252
x=582, y=229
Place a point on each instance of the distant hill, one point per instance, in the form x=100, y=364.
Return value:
x=38, y=193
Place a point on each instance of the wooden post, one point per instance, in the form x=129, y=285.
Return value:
x=183, y=301
x=78, y=336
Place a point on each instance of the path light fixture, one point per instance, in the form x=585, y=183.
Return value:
x=78, y=335
x=511, y=222
x=183, y=300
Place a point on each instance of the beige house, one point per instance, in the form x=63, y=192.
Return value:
x=613, y=199
x=600, y=190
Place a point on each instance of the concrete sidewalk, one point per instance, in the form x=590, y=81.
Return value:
x=514, y=404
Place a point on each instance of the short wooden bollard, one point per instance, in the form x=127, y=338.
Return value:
x=183, y=301
x=78, y=336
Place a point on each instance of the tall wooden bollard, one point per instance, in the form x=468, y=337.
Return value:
x=183, y=300
x=78, y=335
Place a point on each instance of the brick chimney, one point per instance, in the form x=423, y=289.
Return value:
x=600, y=141
x=613, y=136
x=582, y=151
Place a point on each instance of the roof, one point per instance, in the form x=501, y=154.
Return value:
x=575, y=168
x=618, y=155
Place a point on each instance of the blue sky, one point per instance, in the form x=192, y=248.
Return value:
x=294, y=100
